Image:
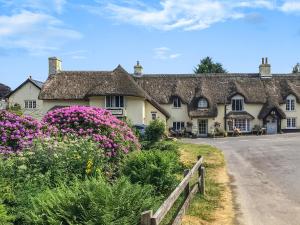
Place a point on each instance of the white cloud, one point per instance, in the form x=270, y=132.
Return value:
x=49, y=6
x=290, y=6
x=185, y=14
x=36, y=33
x=165, y=53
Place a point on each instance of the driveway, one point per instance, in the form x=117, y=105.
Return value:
x=265, y=174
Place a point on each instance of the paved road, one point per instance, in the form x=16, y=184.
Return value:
x=265, y=174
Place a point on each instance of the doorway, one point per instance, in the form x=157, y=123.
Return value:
x=203, y=127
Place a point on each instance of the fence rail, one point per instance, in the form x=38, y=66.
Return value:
x=147, y=217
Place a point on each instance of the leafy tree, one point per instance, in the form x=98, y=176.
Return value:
x=208, y=66
x=296, y=68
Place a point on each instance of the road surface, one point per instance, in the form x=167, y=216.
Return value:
x=265, y=173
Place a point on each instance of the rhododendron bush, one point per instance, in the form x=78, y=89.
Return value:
x=112, y=134
x=17, y=132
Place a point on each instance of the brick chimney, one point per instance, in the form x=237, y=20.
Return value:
x=54, y=65
x=138, y=70
x=265, y=69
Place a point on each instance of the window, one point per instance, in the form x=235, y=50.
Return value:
x=30, y=104
x=176, y=102
x=177, y=126
x=242, y=124
x=290, y=103
x=237, y=103
x=291, y=123
x=202, y=103
x=114, y=101
x=153, y=115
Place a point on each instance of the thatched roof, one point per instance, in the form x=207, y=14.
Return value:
x=218, y=88
x=4, y=90
x=162, y=88
x=239, y=115
x=79, y=85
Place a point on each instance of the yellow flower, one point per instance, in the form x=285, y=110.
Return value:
x=89, y=167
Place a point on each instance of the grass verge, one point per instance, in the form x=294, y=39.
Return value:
x=216, y=206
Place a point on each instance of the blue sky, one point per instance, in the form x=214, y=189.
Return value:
x=167, y=36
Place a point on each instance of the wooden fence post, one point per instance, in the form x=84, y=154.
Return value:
x=199, y=174
x=146, y=217
x=202, y=180
x=187, y=188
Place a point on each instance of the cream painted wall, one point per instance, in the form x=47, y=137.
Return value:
x=295, y=113
x=27, y=92
x=49, y=104
x=135, y=109
x=177, y=114
x=98, y=101
x=149, y=108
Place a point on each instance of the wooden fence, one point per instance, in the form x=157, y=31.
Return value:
x=147, y=218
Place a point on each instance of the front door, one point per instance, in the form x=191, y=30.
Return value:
x=202, y=125
x=272, y=126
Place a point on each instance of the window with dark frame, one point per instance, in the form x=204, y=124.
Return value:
x=291, y=122
x=153, y=115
x=176, y=102
x=178, y=126
x=290, y=104
x=114, y=101
x=237, y=104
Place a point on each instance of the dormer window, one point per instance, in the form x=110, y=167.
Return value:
x=114, y=101
x=237, y=103
x=176, y=102
x=290, y=103
x=202, y=103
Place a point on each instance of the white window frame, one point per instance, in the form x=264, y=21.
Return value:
x=115, y=101
x=234, y=100
x=178, y=125
x=202, y=103
x=291, y=123
x=290, y=103
x=176, y=102
x=237, y=123
x=30, y=104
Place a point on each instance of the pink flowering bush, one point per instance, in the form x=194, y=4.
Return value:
x=112, y=134
x=17, y=132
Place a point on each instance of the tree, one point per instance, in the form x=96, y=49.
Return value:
x=208, y=66
x=296, y=68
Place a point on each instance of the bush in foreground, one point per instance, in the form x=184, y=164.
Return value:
x=112, y=134
x=47, y=164
x=154, y=168
x=92, y=202
x=17, y=132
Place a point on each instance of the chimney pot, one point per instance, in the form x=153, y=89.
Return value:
x=262, y=61
x=138, y=69
x=54, y=65
x=265, y=69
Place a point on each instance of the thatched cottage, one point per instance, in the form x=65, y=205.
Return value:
x=193, y=101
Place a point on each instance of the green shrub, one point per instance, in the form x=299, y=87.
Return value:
x=153, y=167
x=93, y=201
x=46, y=165
x=155, y=131
x=5, y=219
x=165, y=146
